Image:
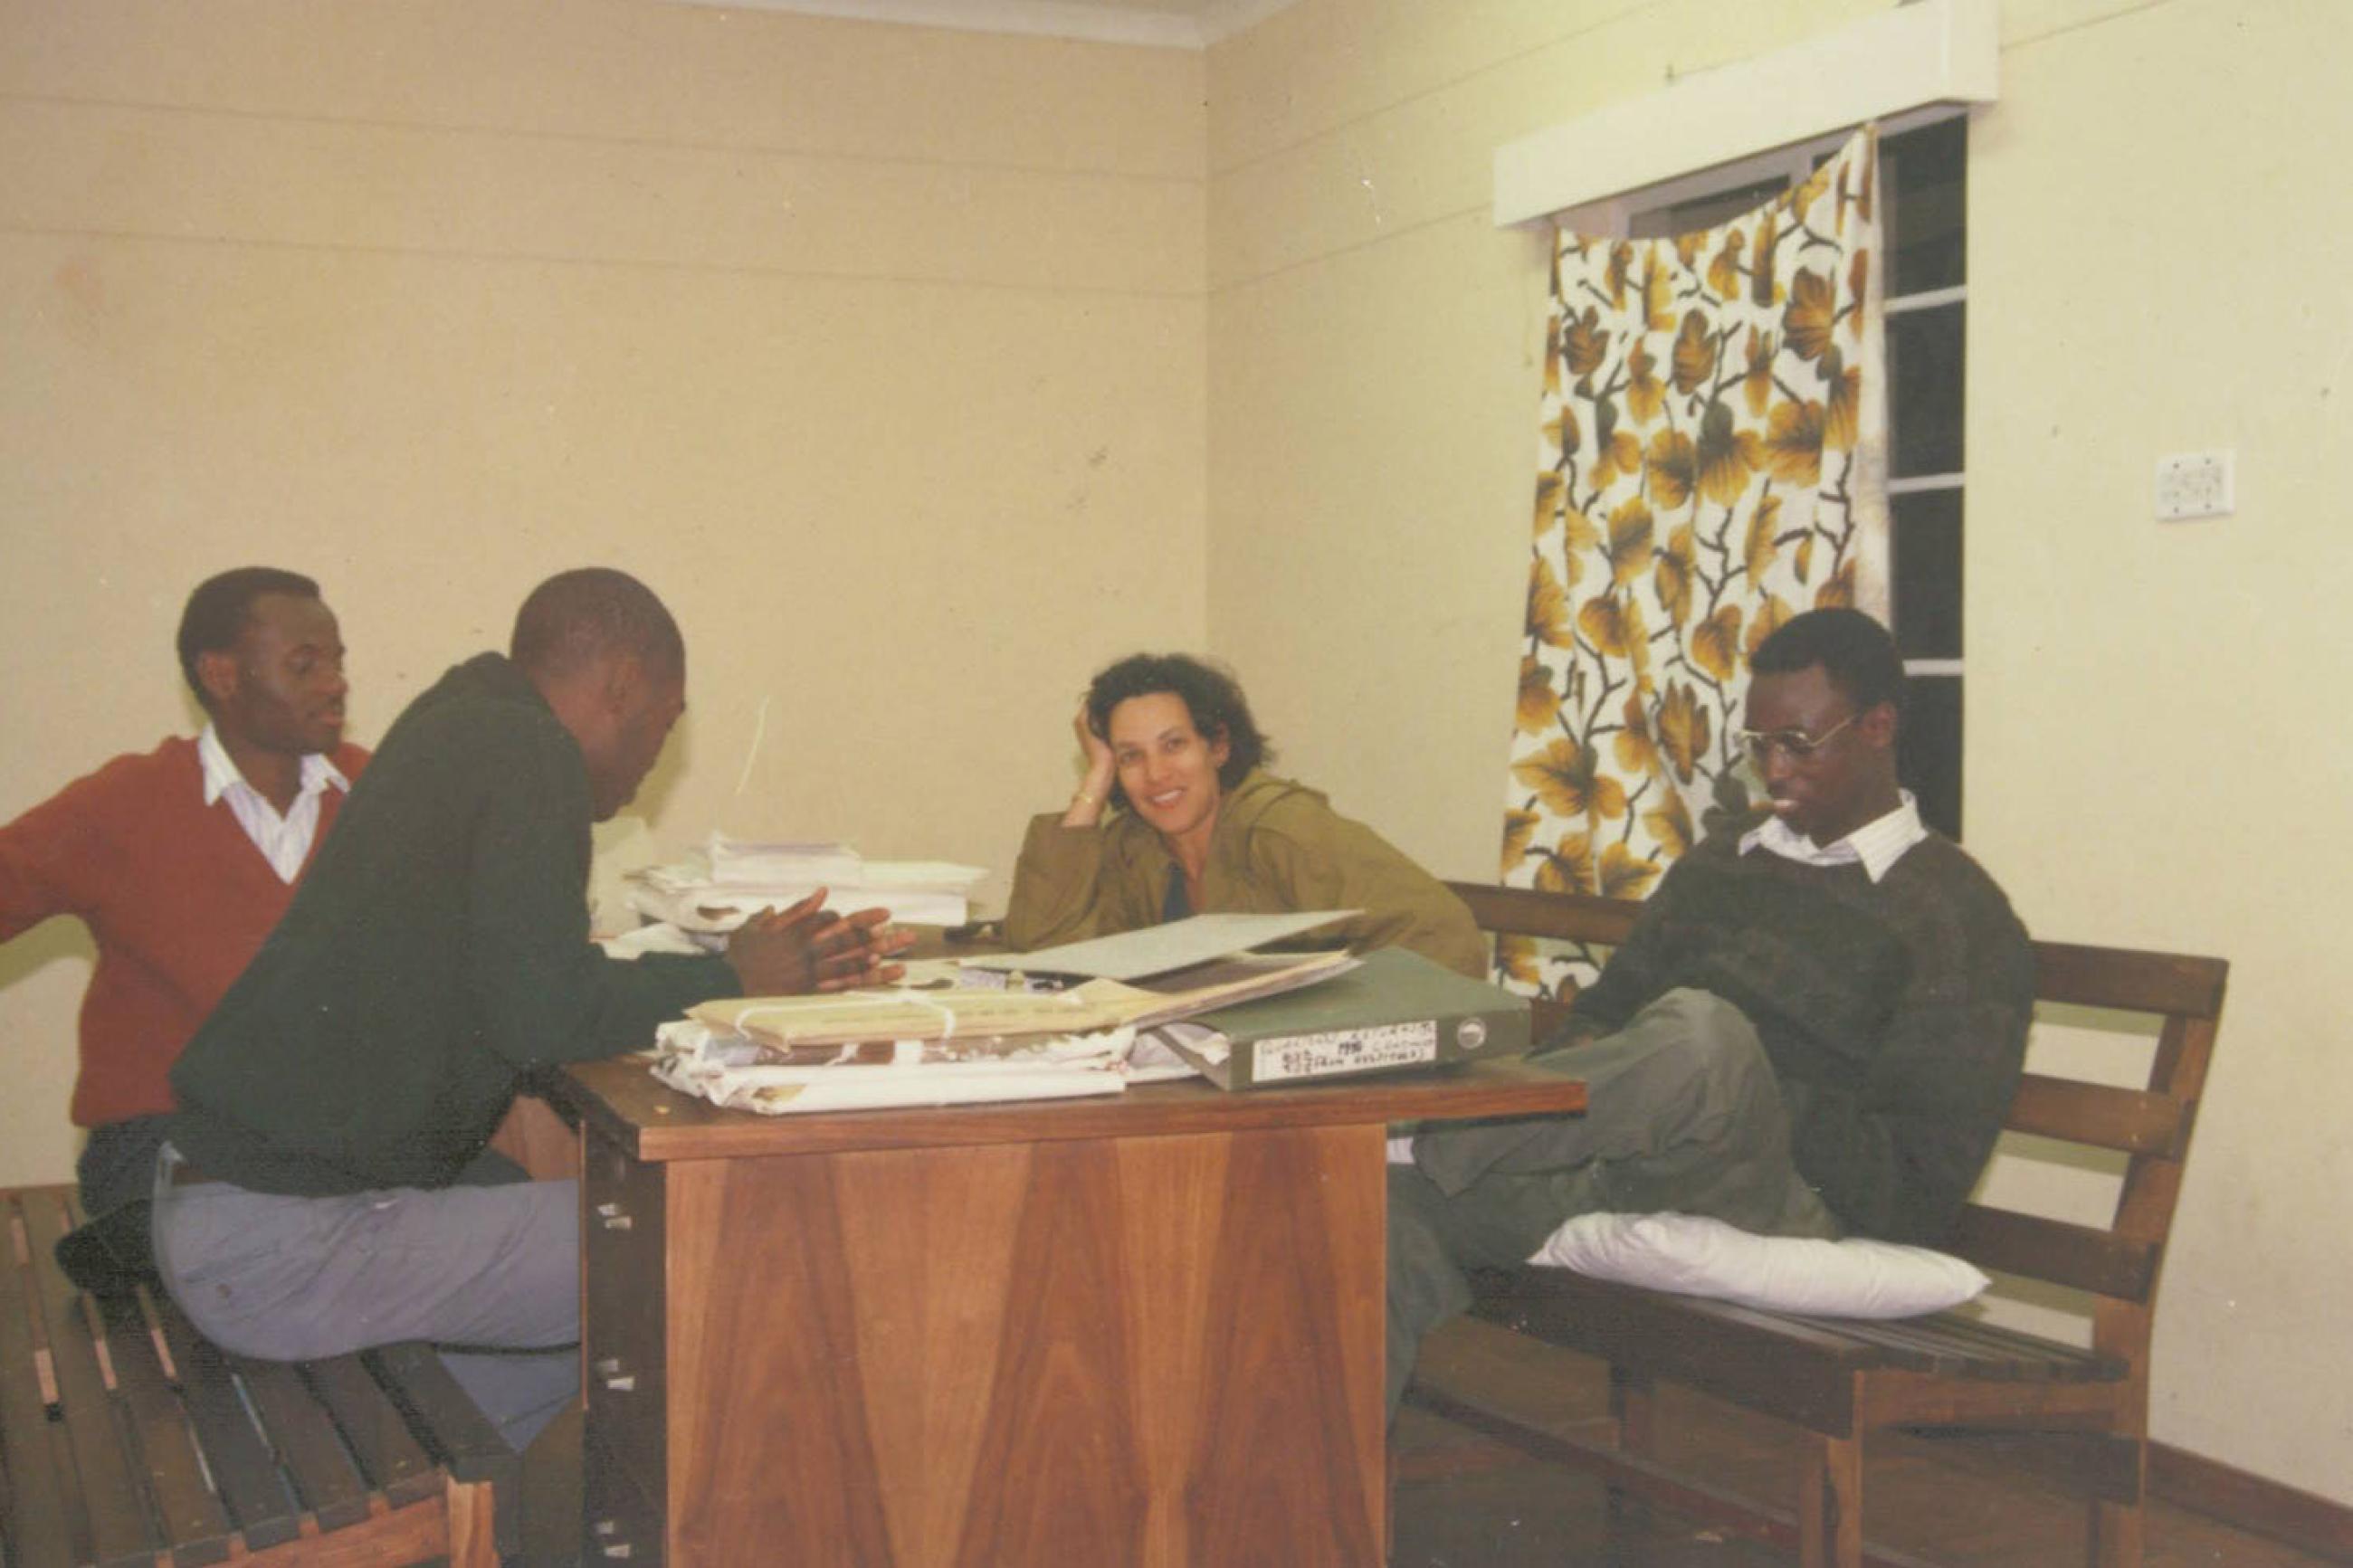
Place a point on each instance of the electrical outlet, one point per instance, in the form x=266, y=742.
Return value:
x=2193, y=484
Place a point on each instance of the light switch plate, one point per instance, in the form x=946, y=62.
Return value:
x=2194, y=484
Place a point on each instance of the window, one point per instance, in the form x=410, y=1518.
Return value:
x=1923, y=188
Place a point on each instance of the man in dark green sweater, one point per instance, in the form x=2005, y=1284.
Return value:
x=326, y=1186
x=1813, y=1030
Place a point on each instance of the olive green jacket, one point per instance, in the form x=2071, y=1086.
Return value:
x=1277, y=846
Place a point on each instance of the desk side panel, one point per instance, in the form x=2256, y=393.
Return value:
x=1154, y=1350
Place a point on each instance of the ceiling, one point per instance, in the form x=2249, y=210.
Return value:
x=1167, y=24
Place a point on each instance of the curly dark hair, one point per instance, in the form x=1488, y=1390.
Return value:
x=216, y=614
x=1214, y=699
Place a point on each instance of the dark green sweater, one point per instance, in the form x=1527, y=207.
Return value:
x=437, y=951
x=1894, y=1011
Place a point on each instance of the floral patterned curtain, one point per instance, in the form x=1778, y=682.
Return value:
x=1712, y=461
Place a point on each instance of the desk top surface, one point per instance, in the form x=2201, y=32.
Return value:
x=619, y=1099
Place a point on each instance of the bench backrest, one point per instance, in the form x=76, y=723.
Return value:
x=2119, y=1263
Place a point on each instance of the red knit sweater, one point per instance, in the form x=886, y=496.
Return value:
x=175, y=895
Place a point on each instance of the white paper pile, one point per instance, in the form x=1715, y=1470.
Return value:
x=968, y=1007
x=957, y=1032
x=730, y=879
x=734, y=1070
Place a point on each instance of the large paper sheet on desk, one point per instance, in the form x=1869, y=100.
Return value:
x=1156, y=949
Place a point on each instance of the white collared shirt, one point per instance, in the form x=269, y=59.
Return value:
x=1878, y=844
x=284, y=841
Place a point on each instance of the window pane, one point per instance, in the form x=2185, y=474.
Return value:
x=1925, y=383
x=1704, y=212
x=1923, y=183
x=1928, y=752
x=1926, y=547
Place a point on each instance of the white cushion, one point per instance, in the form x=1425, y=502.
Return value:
x=1696, y=1257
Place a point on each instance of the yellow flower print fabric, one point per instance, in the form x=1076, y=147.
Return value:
x=1712, y=449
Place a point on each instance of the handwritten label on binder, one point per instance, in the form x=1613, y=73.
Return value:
x=1345, y=1050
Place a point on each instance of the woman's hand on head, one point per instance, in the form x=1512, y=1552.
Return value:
x=1088, y=802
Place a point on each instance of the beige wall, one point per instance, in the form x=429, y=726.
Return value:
x=965, y=361
x=2152, y=754
x=878, y=350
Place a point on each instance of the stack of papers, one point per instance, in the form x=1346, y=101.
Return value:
x=958, y=1032
x=731, y=1070
x=899, y=1013
x=731, y=879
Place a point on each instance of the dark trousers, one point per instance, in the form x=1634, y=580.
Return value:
x=1686, y=1116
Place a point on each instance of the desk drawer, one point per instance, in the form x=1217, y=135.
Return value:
x=623, y=1523
x=624, y=1333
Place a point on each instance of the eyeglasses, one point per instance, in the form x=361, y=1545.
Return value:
x=1794, y=744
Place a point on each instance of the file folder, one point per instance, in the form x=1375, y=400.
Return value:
x=1395, y=1010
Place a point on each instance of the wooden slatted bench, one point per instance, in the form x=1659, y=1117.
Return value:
x=127, y=1437
x=1836, y=1379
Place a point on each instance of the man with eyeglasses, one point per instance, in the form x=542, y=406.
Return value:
x=1814, y=1029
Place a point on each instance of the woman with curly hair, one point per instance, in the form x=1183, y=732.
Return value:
x=1177, y=817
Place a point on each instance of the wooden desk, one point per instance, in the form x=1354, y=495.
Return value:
x=1142, y=1330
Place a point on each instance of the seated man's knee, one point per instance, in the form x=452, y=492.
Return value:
x=1687, y=1074
x=1714, y=1038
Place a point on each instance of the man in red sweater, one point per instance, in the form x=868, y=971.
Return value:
x=181, y=860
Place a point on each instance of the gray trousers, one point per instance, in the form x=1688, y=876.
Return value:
x=488, y=1269
x=1686, y=1116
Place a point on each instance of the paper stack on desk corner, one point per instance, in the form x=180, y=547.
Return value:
x=715, y=889
x=743, y=1074
x=733, y=1071
x=966, y=1012
x=956, y=1033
